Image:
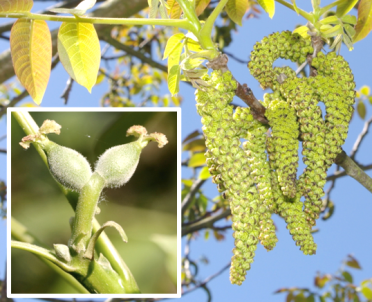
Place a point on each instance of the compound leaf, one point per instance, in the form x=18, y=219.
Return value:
x=31, y=49
x=15, y=6
x=364, y=23
x=236, y=10
x=79, y=52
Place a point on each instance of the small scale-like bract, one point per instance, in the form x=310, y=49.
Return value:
x=68, y=167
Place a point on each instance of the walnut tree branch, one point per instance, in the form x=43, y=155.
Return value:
x=353, y=170
x=242, y=91
x=189, y=197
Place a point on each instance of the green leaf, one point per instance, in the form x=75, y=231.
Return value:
x=328, y=31
x=192, y=135
x=330, y=20
x=31, y=49
x=350, y=31
x=370, y=100
x=195, y=145
x=331, y=209
x=361, y=109
x=345, y=7
x=204, y=173
x=349, y=19
x=321, y=281
x=310, y=298
x=173, y=44
x=187, y=182
x=78, y=10
x=174, y=79
x=197, y=160
x=236, y=10
x=154, y=6
x=367, y=292
x=348, y=42
x=365, y=90
x=352, y=262
x=191, y=63
x=19, y=6
x=302, y=31
x=268, y=6
x=364, y=23
x=80, y=52
x=347, y=276
x=193, y=45
x=295, y=7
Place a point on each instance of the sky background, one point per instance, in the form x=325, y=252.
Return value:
x=347, y=232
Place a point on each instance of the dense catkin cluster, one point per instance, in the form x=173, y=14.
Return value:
x=255, y=167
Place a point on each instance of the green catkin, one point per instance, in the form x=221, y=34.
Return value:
x=335, y=86
x=229, y=167
x=255, y=150
x=283, y=144
x=302, y=97
x=291, y=211
x=283, y=45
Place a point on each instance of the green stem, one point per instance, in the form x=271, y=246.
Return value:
x=329, y=6
x=190, y=14
x=42, y=252
x=85, y=211
x=206, y=31
x=184, y=23
x=20, y=233
x=304, y=14
x=29, y=126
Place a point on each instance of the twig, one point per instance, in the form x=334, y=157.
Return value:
x=232, y=56
x=205, y=223
x=14, y=102
x=353, y=170
x=343, y=173
x=2, y=150
x=189, y=197
x=301, y=67
x=66, y=92
x=360, y=138
x=132, y=52
x=203, y=283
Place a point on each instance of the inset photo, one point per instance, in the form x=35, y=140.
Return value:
x=93, y=203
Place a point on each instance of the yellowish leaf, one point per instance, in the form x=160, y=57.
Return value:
x=364, y=23
x=302, y=31
x=174, y=79
x=361, y=109
x=174, y=10
x=15, y=6
x=365, y=90
x=197, y=160
x=200, y=6
x=173, y=44
x=79, y=52
x=345, y=7
x=31, y=49
x=236, y=10
x=268, y=6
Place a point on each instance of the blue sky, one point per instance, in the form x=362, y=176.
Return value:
x=347, y=232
